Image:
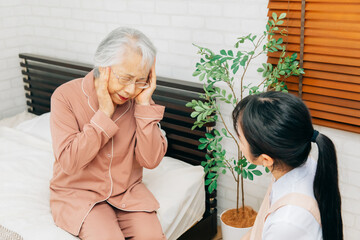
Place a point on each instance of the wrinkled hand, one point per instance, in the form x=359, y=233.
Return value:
x=144, y=98
x=101, y=85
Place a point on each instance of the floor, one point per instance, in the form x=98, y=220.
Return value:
x=218, y=235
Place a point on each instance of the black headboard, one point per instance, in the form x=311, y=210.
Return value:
x=42, y=75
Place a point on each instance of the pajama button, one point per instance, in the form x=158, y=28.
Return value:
x=123, y=205
x=109, y=155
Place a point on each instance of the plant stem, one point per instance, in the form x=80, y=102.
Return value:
x=223, y=121
x=231, y=169
x=248, y=63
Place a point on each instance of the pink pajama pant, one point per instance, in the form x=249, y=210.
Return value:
x=105, y=222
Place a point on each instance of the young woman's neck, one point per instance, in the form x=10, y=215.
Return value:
x=278, y=173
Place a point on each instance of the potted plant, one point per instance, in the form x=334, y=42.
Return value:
x=221, y=75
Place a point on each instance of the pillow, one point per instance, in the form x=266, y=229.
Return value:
x=38, y=127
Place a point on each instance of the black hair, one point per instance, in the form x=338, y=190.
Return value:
x=279, y=124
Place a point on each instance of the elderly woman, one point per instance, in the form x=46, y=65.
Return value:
x=105, y=130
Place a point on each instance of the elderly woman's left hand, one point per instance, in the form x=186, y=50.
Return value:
x=144, y=98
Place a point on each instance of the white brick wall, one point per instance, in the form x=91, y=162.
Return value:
x=12, y=14
x=71, y=29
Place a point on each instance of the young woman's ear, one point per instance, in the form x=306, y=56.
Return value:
x=266, y=161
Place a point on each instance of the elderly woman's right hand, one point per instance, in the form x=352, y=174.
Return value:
x=106, y=104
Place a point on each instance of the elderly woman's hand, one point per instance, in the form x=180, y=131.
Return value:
x=101, y=85
x=144, y=98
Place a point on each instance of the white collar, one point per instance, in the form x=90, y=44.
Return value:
x=290, y=182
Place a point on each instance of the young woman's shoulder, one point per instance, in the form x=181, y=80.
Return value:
x=291, y=222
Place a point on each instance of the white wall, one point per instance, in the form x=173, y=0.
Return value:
x=71, y=29
x=12, y=14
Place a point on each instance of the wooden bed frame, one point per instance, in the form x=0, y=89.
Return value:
x=42, y=75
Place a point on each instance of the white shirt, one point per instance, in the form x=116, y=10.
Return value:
x=293, y=222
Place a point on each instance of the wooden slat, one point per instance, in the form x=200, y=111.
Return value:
x=335, y=68
x=325, y=50
x=41, y=93
x=325, y=25
x=188, y=150
x=53, y=70
x=335, y=117
x=183, y=139
x=355, y=62
x=332, y=101
x=316, y=6
x=39, y=108
x=44, y=102
x=337, y=125
x=169, y=127
x=329, y=76
x=57, y=62
x=327, y=83
x=334, y=109
x=326, y=92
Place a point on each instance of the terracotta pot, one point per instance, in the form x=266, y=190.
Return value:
x=232, y=233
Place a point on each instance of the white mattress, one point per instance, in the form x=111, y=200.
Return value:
x=15, y=120
x=25, y=170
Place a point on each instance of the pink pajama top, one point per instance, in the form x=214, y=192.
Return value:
x=98, y=158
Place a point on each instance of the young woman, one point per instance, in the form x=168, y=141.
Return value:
x=303, y=202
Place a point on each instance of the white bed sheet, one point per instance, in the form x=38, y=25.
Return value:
x=15, y=120
x=26, y=165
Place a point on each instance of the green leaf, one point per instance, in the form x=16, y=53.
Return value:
x=282, y=16
x=216, y=57
x=251, y=166
x=202, y=146
x=198, y=108
x=212, y=187
x=216, y=132
x=194, y=114
x=260, y=69
x=189, y=104
x=236, y=69
x=196, y=73
x=279, y=41
x=244, y=173
x=209, y=135
x=230, y=53
x=257, y=172
x=250, y=176
x=203, y=140
x=223, y=130
x=274, y=15
x=202, y=76
x=224, y=171
x=208, y=181
x=267, y=170
x=279, y=22
x=223, y=52
x=244, y=60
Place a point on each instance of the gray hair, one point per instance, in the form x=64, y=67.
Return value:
x=111, y=49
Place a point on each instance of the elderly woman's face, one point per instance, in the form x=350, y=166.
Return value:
x=123, y=77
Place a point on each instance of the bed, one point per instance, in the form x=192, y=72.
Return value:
x=26, y=159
